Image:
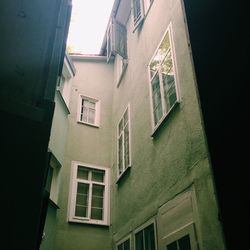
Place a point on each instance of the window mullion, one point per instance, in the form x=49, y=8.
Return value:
x=90, y=200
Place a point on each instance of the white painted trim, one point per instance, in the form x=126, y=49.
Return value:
x=72, y=197
x=97, y=110
x=177, y=90
x=117, y=139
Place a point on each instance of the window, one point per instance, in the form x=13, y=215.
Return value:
x=52, y=183
x=124, y=244
x=183, y=239
x=89, y=194
x=140, y=9
x=116, y=39
x=145, y=239
x=89, y=111
x=181, y=244
x=163, y=80
x=123, y=141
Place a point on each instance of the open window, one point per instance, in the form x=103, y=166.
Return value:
x=116, y=40
x=140, y=9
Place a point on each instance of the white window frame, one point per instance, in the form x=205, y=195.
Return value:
x=73, y=190
x=54, y=190
x=142, y=227
x=165, y=111
x=97, y=110
x=123, y=240
x=189, y=230
x=124, y=168
x=144, y=6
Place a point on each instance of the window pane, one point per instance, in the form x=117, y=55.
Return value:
x=125, y=117
x=172, y=246
x=149, y=237
x=82, y=173
x=163, y=50
x=139, y=241
x=184, y=243
x=98, y=175
x=91, y=116
x=98, y=190
x=126, y=245
x=169, y=91
x=137, y=10
x=157, y=106
x=120, y=247
x=126, y=146
x=84, y=114
x=97, y=202
x=120, y=126
x=81, y=211
x=91, y=105
x=82, y=200
x=164, y=47
x=167, y=65
x=96, y=213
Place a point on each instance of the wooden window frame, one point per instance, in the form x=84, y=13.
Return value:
x=73, y=190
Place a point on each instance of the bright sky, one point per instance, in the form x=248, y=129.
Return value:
x=89, y=20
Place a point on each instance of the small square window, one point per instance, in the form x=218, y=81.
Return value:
x=89, y=111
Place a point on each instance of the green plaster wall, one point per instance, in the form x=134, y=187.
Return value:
x=59, y=129
x=176, y=158
x=86, y=144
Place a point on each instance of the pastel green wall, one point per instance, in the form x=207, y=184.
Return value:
x=86, y=144
x=59, y=129
x=176, y=158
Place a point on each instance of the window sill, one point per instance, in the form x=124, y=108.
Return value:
x=88, y=124
x=163, y=119
x=87, y=221
x=122, y=176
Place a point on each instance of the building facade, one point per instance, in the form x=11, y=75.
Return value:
x=136, y=172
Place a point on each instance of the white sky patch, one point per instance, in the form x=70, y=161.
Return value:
x=89, y=20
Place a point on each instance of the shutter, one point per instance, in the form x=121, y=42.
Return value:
x=138, y=12
x=120, y=40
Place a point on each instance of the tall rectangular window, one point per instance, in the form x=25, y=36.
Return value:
x=162, y=76
x=89, y=194
x=89, y=111
x=145, y=239
x=123, y=141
